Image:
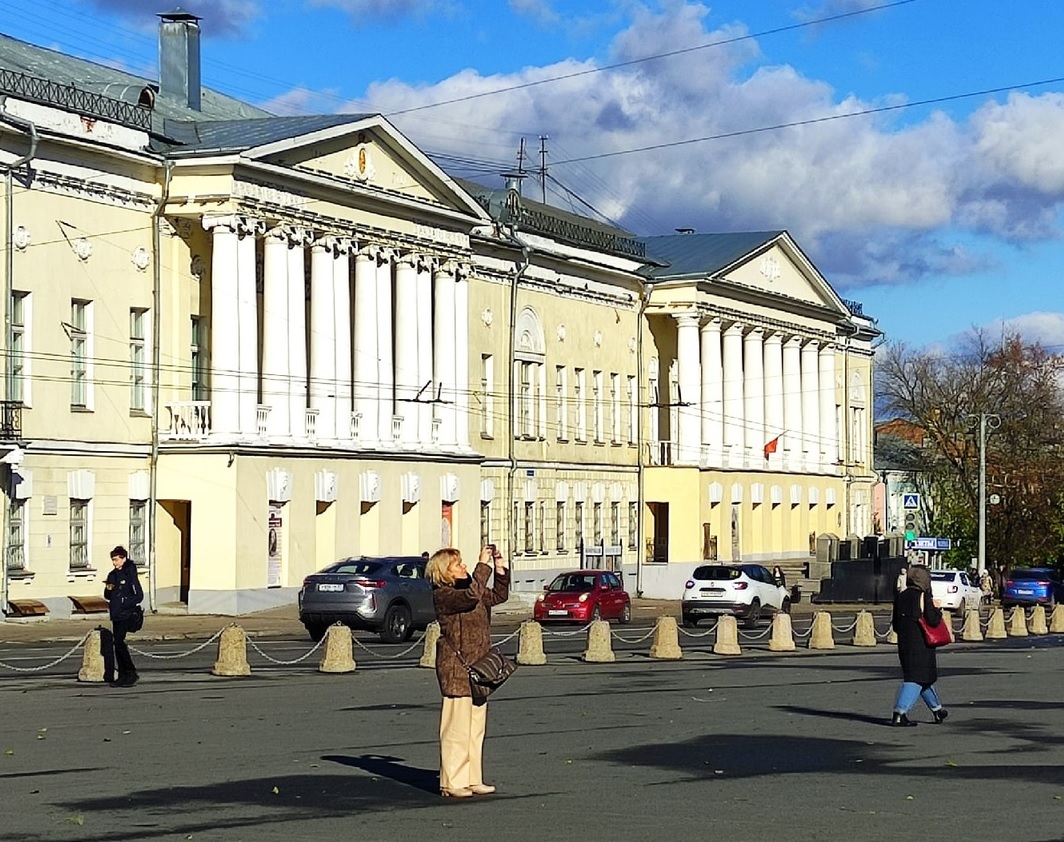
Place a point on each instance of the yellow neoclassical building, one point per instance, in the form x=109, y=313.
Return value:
x=245, y=345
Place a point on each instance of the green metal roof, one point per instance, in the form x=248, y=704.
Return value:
x=221, y=136
x=702, y=254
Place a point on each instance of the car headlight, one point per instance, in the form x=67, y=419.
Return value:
x=584, y=596
x=540, y=598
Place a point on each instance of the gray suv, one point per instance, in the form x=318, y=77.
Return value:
x=389, y=595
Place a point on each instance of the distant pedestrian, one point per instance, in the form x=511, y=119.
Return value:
x=463, y=609
x=778, y=577
x=123, y=593
x=899, y=583
x=919, y=667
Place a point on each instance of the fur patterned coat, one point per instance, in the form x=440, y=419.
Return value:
x=463, y=611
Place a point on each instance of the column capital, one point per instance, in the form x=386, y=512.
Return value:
x=735, y=328
x=426, y=262
x=407, y=258
x=827, y=348
x=774, y=338
x=793, y=342
x=713, y=325
x=811, y=345
x=384, y=255
x=343, y=246
x=687, y=319
x=756, y=333
x=228, y=222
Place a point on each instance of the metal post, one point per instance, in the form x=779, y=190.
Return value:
x=992, y=422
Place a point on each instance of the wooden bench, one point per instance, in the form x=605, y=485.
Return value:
x=26, y=608
x=88, y=604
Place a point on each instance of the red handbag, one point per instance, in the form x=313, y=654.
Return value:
x=934, y=636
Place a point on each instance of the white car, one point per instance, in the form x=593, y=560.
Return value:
x=746, y=591
x=955, y=591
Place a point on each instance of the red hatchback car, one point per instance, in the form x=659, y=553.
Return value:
x=581, y=596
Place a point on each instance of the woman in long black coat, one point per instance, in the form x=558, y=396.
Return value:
x=919, y=667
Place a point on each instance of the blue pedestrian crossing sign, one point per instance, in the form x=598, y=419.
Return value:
x=910, y=501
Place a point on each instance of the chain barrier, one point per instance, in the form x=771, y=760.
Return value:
x=706, y=633
x=755, y=635
x=881, y=635
x=509, y=637
x=50, y=664
x=849, y=628
x=202, y=646
x=549, y=633
x=393, y=656
x=806, y=633
x=646, y=636
x=272, y=660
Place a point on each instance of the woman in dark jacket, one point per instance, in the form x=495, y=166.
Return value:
x=463, y=609
x=919, y=667
x=123, y=593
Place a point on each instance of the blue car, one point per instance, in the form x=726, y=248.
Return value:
x=1033, y=586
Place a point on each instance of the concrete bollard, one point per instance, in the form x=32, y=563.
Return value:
x=1056, y=620
x=820, y=636
x=232, y=652
x=1018, y=622
x=1038, y=620
x=865, y=633
x=666, y=645
x=971, y=632
x=995, y=627
x=599, y=648
x=947, y=618
x=782, y=639
x=339, y=650
x=727, y=637
x=530, y=644
x=892, y=636
x=92, y=665
x=432, y=637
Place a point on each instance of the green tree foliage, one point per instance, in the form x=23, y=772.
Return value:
x=1016, y=387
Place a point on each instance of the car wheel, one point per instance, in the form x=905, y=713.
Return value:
x=596, y=613
x=689, y=622
x=626, y=614
x=962, y=609
x=753, y=616
x=316, y=631
x=786, y=607
x=396, y=626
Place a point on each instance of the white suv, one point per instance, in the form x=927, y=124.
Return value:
x=746, y=591
x=955, y=591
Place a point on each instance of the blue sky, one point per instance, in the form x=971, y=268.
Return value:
x=938, y=217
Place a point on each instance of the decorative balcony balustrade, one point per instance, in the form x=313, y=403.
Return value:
x=397, y=428
x=10, y=420
x=189, y=421
x=310, y=424
x=356, y=426
x=262, y=420
x=660, y=453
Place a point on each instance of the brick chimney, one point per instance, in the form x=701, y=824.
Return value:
x=179, y=57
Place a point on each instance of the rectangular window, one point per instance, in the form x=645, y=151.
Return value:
x=137, y=531
x=79, y=353
x=487, y=396
x=79, y=534
x=527, y=384
x=559, y=526
x=578, y=525
x=515, y=526
x=581, y=408
x=530, y=525
x=485, y=523
x=138, y=362
x=561, y=394
x=633, y=410
x=16, y=535
x=615, y=523
x=633, y=524
x=596, y=521
x=597, y=403
x=541, y=527
x=199, y=373
x=615, y=408
x=19, y=345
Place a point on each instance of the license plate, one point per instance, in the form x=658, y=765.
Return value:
x=1025, y=591
x=556, y=613
x=712, y=593
x=327, y=586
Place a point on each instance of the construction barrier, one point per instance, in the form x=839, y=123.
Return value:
x=820, y=636
x=599, y=649
x=232, y=653
x=339, y=650
x=727, y=637
x=666, y=645
x=865, y=631
x=530, y=644
x=782, y=639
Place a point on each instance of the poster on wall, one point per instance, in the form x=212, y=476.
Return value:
x=273, y=558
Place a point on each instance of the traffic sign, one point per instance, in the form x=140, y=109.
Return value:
x=910, y=501
x=928, y=543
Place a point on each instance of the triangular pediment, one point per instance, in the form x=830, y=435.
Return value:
x=370, y=153
x=780, y=269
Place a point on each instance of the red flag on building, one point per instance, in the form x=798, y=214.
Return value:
x=772, y=445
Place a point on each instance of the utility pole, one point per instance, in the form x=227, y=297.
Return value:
x=543, y=167
x=987, y=421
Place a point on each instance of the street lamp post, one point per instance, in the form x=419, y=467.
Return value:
x=987, y=421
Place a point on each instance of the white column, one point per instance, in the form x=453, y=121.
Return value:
x=275, y=344
x=224, y=346
x=342, y=335
x=811, y=405
x=712, y=394
x=423, y=267
x=774, y=413
x=754, y=396
x=461, y=353
x=248, y=325
x=386, y=407
x=445, y=369
x=690, y=382
x=732, y=353
x=297, y=331
x=792, y=403
x=828, y=415
x=406, y=385
x=322, y=339
x=365, y=362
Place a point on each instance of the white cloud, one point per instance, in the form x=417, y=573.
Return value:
x=365, y=11
x=540, y=11
x=1046, y=328
x=223, y=18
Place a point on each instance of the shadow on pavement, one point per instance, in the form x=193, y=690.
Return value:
x=837, y=714
x=386, y=766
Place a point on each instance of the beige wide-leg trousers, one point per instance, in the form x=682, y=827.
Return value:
x=462, y=727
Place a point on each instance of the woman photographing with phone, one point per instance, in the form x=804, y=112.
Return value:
x=463, y=608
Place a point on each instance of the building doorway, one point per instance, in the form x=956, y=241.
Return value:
x=658, y=544
x=173, y=550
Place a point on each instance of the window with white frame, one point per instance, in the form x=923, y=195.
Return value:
x=633, y=410
x=578, y=524
x=487, y=396
x=20, y=347
x=199, y=373
x=581, y=404
x=561, y=393
x=530, y=526
x=16, y=535
x=596, y=521
x=485, y=523
x=515, y=525
x=597, y=401
x=79, y=534
x=615, y=523
x=633, y=524
x=138, y=529
x=78, y=330
x=541, y=527
x=138, y=360
x=526, y=380
x=615, y=408
x=559, y=525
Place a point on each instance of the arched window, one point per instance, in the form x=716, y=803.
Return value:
x=530, y=377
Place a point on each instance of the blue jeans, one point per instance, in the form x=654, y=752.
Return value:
x=908, y=692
